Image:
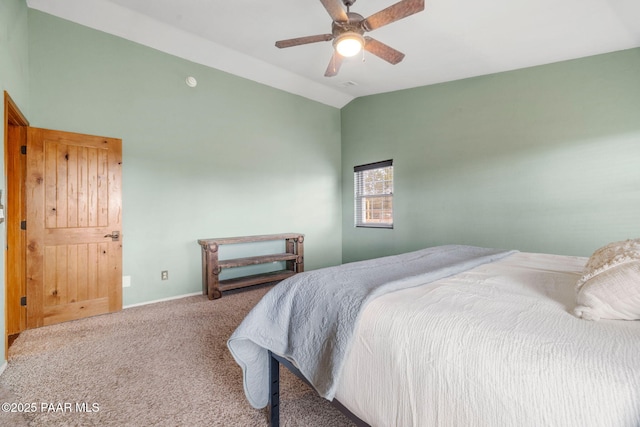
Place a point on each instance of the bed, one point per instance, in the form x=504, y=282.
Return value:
x=502, y=340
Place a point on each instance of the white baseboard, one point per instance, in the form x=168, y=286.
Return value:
x=161, y=300
x=3, y=367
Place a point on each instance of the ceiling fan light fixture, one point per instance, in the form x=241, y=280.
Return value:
x=349, y=43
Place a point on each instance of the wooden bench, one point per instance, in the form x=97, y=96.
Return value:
x=212, y=266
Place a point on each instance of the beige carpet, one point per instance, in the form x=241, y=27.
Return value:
x=164, y=364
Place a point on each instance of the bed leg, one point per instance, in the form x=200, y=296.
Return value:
x=274, y=391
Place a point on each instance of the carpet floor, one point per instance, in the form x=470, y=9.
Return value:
x=162, y=364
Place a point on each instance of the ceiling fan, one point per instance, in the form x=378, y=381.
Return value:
x=348, y=28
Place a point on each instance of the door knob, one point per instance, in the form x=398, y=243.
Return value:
x=115, y=236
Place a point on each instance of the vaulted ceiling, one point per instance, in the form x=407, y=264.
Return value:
x=449, y=40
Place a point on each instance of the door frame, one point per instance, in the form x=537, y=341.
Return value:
x=15, y=136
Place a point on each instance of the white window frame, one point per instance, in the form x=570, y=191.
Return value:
x=373, y=195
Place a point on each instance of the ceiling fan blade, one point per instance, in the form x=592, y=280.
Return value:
x=383, y=51
x=334, y=65
x=393, y=13
x=304, y=40
x=334, y=7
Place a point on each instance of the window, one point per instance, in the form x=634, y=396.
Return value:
x=373, y=184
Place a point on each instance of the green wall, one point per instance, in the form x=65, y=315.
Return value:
x=228, y=157
x=13, y=79
x=544, y=159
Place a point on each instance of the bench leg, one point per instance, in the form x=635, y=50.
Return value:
x=213, y=272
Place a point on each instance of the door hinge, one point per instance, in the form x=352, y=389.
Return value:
x=23, y=301
x=23, y=149
x=23, y=225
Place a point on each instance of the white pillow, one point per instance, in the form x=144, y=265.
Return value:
x=610, y=285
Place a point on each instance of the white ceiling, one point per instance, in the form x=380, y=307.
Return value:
x=449, y=40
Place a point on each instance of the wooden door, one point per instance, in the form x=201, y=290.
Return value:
x=74, y=226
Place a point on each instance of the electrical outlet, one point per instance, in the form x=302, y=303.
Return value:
x=126, y=281
x=165, y=275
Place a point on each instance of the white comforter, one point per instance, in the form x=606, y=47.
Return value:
x=493, y=346
x=309, y=318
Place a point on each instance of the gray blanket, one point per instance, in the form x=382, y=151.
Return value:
x=309, y=318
